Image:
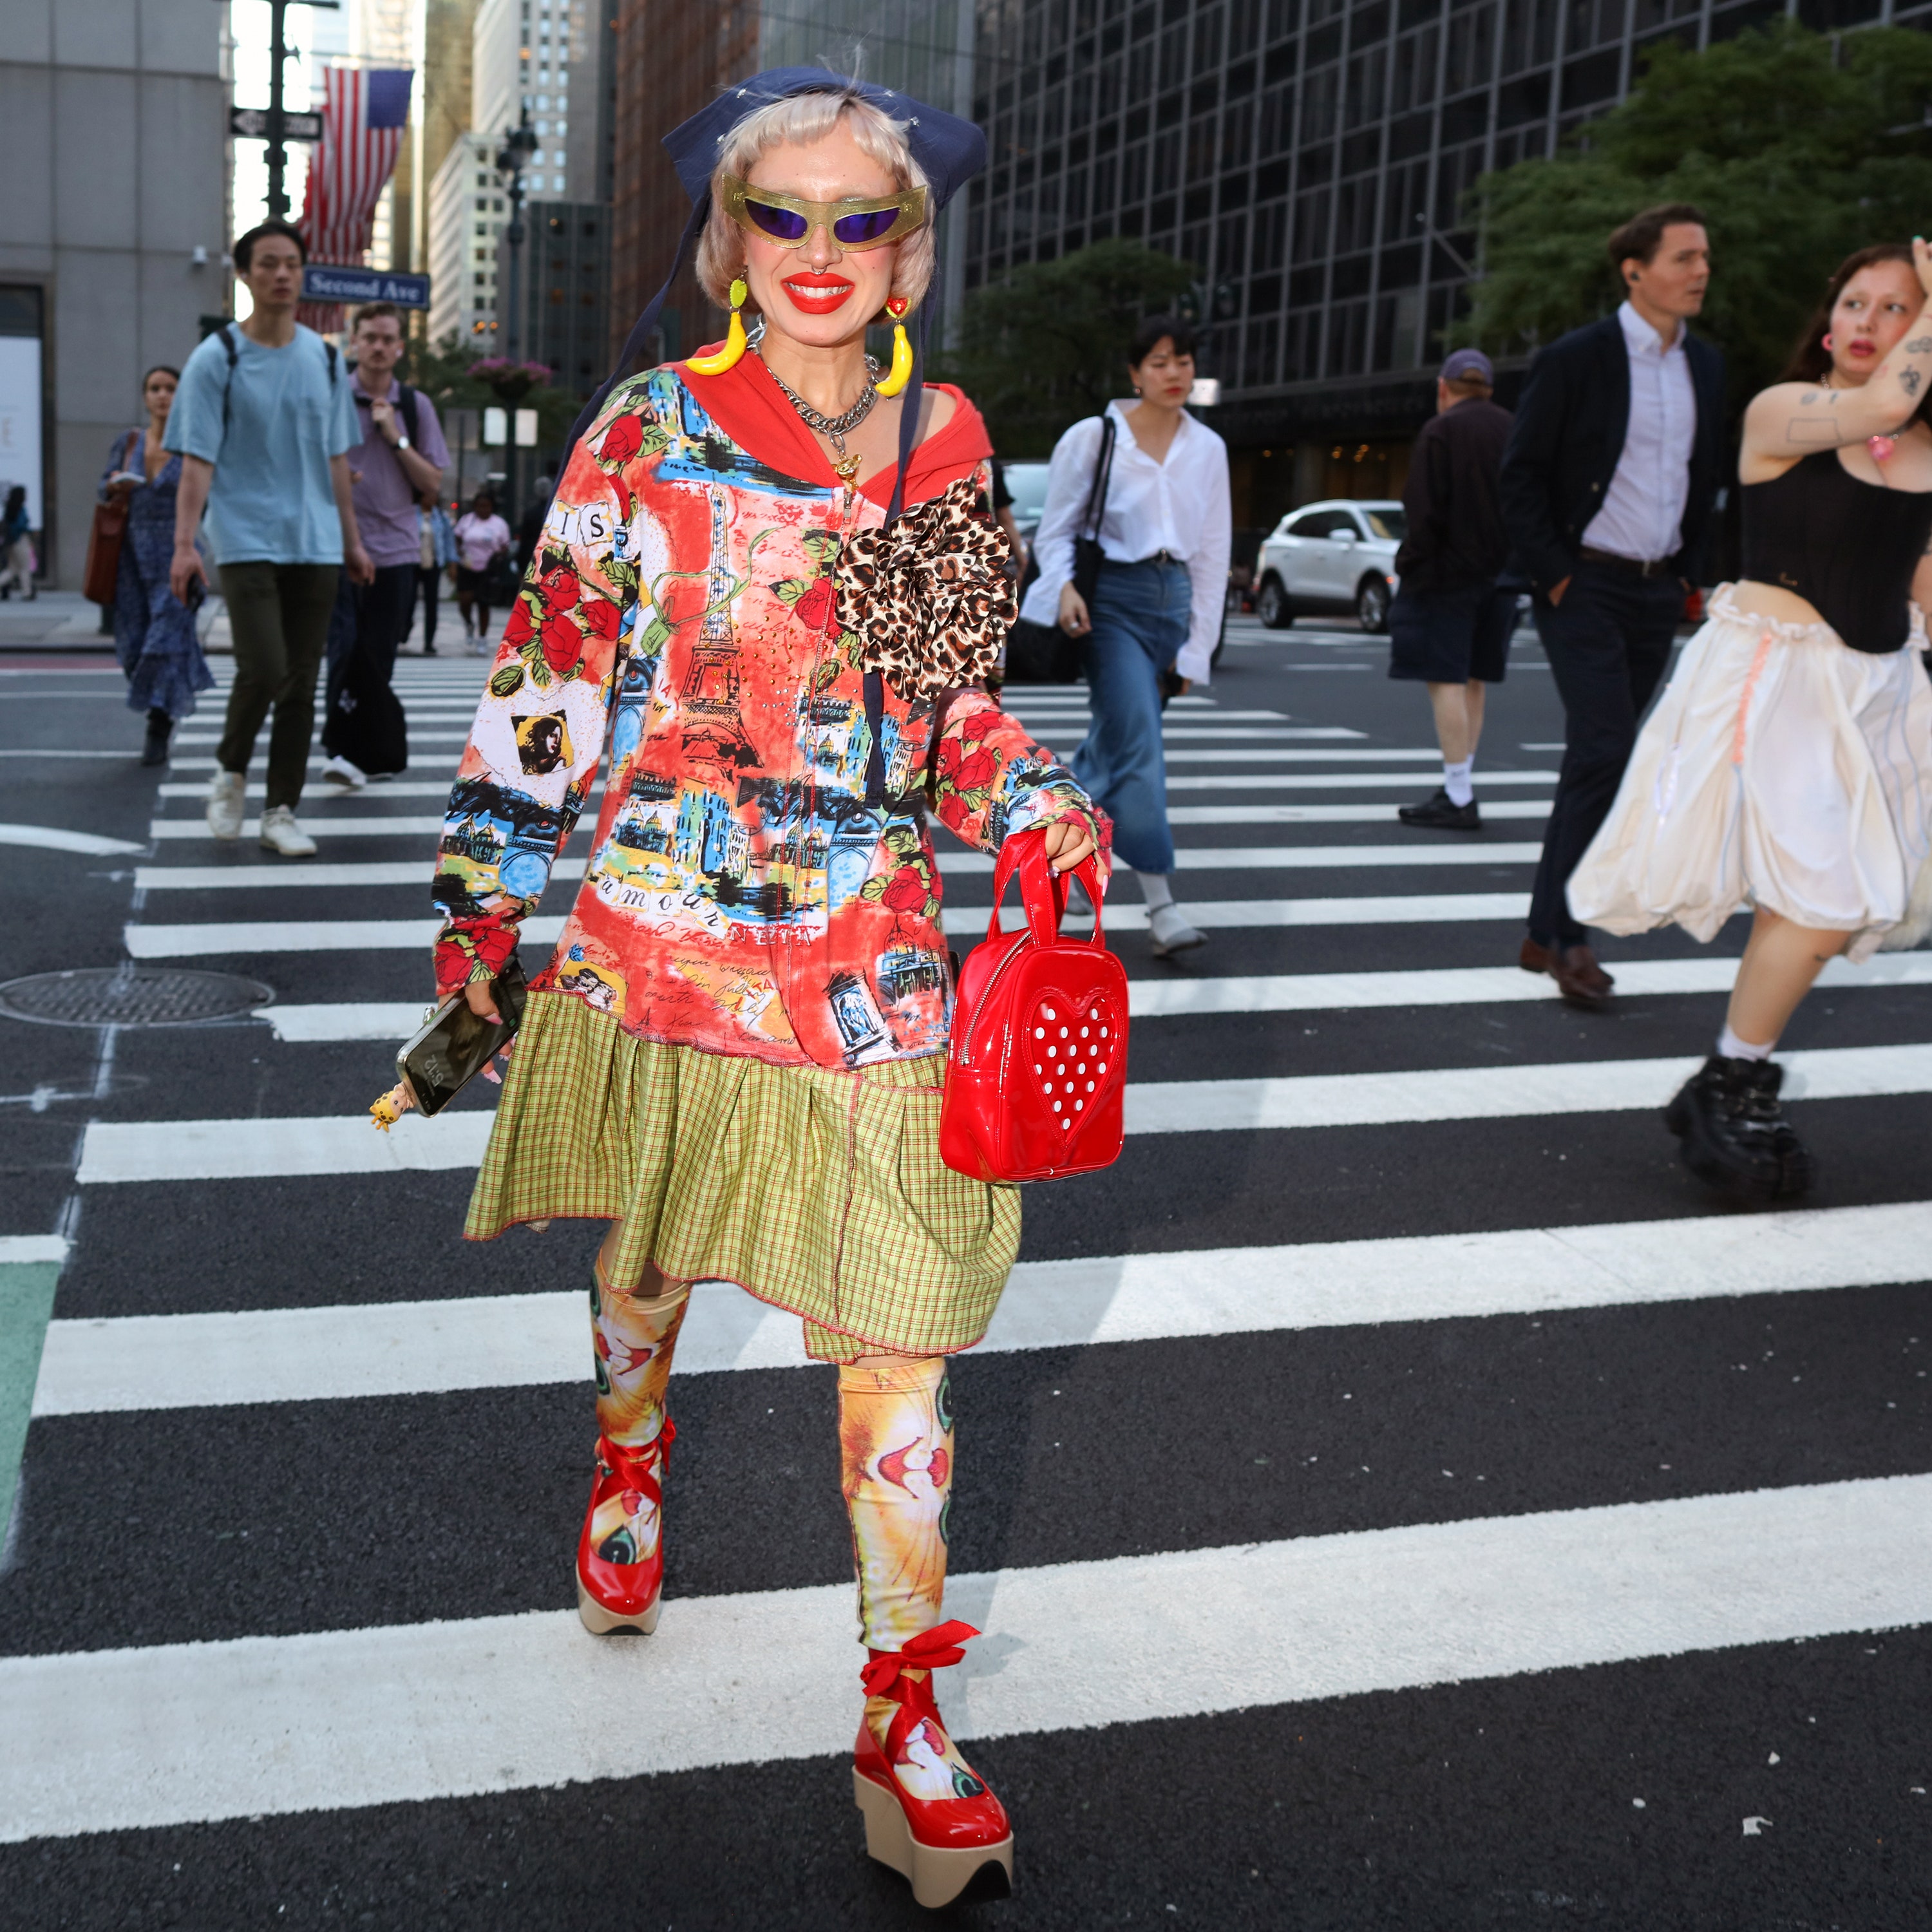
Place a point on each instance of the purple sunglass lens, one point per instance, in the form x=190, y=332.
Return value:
x=870, y=226
x=782, y=224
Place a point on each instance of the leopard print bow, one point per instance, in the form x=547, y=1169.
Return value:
x=930, y=597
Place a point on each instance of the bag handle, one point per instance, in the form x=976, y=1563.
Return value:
x=1103, y=470
x=1043, y=892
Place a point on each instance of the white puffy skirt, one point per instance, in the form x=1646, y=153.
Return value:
x=1780, y=768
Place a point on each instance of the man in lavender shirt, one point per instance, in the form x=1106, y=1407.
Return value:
x=401, y=459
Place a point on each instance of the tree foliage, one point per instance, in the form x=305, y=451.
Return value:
x=445, y=373
x=1798, y=147
x=1048, y=344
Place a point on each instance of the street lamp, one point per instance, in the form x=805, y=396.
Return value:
x=520, y=142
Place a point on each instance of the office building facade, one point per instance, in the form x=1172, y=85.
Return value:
x=467, y=210
x=112, y=231
x=563, y=292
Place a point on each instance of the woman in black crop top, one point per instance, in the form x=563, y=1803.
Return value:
x=1788, y=766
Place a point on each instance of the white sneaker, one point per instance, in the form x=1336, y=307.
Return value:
x=1167, y=926
x=225, y=799
x=339, y=771
x=280, y=833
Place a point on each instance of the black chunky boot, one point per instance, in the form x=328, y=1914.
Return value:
x=155, y=747
x=1735, y=1134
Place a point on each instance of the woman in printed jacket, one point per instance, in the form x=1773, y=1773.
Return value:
x=772, y=584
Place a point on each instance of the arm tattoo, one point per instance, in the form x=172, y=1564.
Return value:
x=1809, y=399
x=1909, y=380
x=1919, y=347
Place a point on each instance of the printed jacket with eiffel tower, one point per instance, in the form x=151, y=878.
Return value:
x=741, y=895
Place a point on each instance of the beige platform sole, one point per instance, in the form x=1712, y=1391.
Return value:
x=938, y=1876
x=600, y=1622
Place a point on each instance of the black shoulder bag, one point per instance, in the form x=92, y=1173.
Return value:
x=1044, y=653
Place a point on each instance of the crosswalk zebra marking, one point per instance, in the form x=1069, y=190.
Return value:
x=144, y=1737
x=117, y=1151
x=130, y=1364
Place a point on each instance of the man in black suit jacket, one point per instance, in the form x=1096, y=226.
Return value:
x=1607, y=486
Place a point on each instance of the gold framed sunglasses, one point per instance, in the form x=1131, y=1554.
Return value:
x=787, y=220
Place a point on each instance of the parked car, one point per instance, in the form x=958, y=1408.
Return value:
x=1027, y=480
x=1336, y=556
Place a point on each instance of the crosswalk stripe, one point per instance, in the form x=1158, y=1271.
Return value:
x=421, y=825
x=252, y=1726
x=114, y=1151
x=1327, y=814
x=130, y=1364
x=952, y=864
x=1297, y=780
x=354, y=935
x=1309, y=781
x=418, y=737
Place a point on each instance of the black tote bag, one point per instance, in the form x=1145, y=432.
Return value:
x=1044, y=653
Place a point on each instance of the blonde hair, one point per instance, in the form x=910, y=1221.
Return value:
x=799, y=121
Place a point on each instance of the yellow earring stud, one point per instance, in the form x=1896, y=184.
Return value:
x=726, y=358
x=900, y=372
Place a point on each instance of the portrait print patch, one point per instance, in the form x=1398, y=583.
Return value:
x=543, y=743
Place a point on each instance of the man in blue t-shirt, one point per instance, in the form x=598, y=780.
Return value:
x=263, y=422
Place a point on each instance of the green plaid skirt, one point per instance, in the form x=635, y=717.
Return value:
x=818, y=1190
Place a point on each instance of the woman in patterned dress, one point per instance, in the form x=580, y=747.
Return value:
x=736, y=1052
x=154, y=631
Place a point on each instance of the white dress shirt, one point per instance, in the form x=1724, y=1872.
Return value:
x=1643, y=515
x=1180, y=506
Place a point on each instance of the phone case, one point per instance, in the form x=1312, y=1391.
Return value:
x=454, y=1045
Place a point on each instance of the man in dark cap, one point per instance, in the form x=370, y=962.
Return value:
x=1450, y=622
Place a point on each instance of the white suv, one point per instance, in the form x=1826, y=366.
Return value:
x=1336, y=556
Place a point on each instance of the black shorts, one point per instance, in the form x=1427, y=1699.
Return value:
x=1450, y=637
x=473, y=583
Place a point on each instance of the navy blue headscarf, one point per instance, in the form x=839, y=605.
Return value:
x=950, y=150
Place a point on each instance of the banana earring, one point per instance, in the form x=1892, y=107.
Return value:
x=726, y=358
x=901, y=373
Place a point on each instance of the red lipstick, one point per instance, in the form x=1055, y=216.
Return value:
x=817, y=294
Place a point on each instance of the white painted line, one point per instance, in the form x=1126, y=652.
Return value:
x=130, y=1364
x=257, y=1147
x=1156, y=999
x=33, y=1248
x=1475, y=986
x=133, y=1738
x=348, y=935
x=57, y=839
x=1496, y=1092
x=1330, y=814
x=374, y=794
x=1310, y=781
x=422, y=825
x=952, y=864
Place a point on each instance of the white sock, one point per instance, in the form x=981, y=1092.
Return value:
x=1456, y=781
x=1732, y=1048
x=1155, y=890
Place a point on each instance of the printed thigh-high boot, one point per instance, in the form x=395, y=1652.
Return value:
x=927, y=1814
x=620, y=1553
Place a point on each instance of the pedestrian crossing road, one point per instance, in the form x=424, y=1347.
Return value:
x=1395, y=1494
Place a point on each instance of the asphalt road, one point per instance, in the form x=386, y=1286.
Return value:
x=1428, y=1509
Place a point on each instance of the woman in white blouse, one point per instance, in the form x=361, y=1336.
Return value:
x=1157, y=611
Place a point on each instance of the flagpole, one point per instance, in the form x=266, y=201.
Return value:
x=278, y=153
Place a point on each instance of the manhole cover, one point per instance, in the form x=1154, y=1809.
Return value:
x=130, y=996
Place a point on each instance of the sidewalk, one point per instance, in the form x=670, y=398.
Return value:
x=66, y=621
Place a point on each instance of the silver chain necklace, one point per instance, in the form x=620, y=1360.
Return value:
x=833, y=427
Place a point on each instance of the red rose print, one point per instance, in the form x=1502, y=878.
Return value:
x=560, y=588
x=976, y=772
x=562, y=643
x=603, y=617
x=977, y=727
x=518, y=629
x=907, y=892
x=814, y=604
x=621, y=440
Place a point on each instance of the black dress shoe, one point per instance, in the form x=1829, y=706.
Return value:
x=1734, y=1135
x=1442, y=814
x=154, y=746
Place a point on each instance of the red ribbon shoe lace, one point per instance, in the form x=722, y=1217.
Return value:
x=972, y=1817
x=626, y=1582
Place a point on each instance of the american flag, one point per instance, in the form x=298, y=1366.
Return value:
x=365, y=112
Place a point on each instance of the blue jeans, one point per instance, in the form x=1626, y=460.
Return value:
x=1140, y=613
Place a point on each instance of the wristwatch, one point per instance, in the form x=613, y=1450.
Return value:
x=400, y=442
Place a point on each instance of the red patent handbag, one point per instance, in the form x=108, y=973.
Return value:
x=1035, y=1085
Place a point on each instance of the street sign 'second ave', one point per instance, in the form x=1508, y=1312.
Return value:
x=324, y=281
x=257, y=124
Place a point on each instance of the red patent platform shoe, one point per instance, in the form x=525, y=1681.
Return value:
x=620, y=1553
x=928, y=1814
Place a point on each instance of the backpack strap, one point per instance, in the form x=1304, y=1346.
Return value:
x=407, y=402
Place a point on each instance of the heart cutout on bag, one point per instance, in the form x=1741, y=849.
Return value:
x=1074, y=1049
